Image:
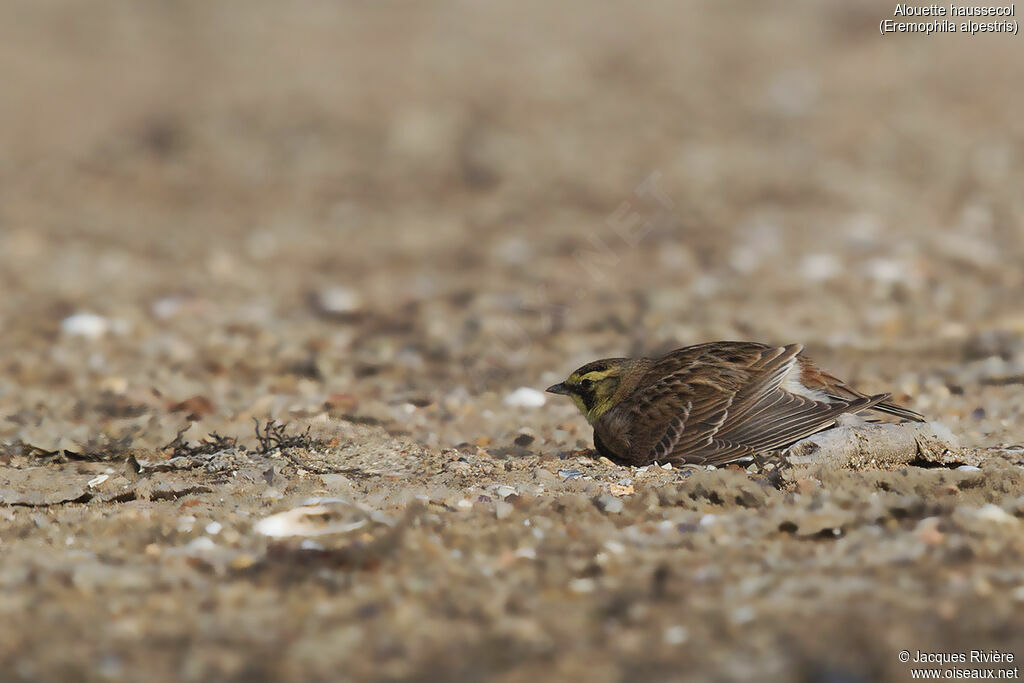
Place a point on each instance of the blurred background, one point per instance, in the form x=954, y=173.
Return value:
x=466, y=197
x=483, y=196
x=404, y=213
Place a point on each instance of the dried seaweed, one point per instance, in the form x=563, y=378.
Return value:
x=211, y=444
x=272, y=437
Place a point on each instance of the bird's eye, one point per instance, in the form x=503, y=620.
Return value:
x=587, y=383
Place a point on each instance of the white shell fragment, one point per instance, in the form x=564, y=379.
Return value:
x=993, y=513
x=87, y=325
x=610, y=504
x=97, y=480
x=308, y=520
x=319, y=517
x=525, y=397
x=338, y=300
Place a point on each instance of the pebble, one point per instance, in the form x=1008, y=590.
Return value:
x=338, y=300
x=991, y=512
x=614, y=547
x=570, y=474
x=202, y=544
x=166, y=307
x=504, y=490
x=524, y=440
x=87, y=325
x=886, y=270
x=676, y=635
x=525, y=397
x=610, y=504
x=583, y=585
x=243, y=561
x=927, y=531
x=336, y=481
x=620, y=490
x=545, y=478
x=308, y=520
x=820, y=267
x=503, y=510
x=742, y=615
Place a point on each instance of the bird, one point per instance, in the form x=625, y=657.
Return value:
x=714, y=403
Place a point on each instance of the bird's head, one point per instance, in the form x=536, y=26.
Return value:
x=593, y=386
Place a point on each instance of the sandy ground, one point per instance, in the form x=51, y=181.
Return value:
x=372, y=224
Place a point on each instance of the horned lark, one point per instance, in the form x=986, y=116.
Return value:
x=712, y=403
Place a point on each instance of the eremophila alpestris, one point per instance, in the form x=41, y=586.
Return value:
x=712, y=403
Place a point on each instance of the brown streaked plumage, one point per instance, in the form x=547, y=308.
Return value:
x=712, y=403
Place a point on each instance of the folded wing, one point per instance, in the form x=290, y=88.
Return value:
x=714, y=413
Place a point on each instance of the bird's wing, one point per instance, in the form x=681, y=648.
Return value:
x=783, y=418
x=678, y=410
x=836, y=388
x=767, y=417
x=712, y=412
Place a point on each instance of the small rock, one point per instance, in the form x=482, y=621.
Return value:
x=525, y=397
x=993, y=513
x=545, y=478
x=504, y=490
x=610, y=504
x=97, y=480
x=87, y=325
x=676, y=635
x=243, y=561
x=341, y=403
x=338, y=301
x=167, y=307
x=927, y=531
x=570, y=474
x=202, y=544
x=335, y=481
x=318, y=519
x=503, y=510
x=820, y=267
x=614, y=547
x=807, y=485
x=742, y=615
x=584, y=585
x=620, y=490
x=195, y=407
x=524, y=440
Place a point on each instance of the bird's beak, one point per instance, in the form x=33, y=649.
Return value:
x=559, y=388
